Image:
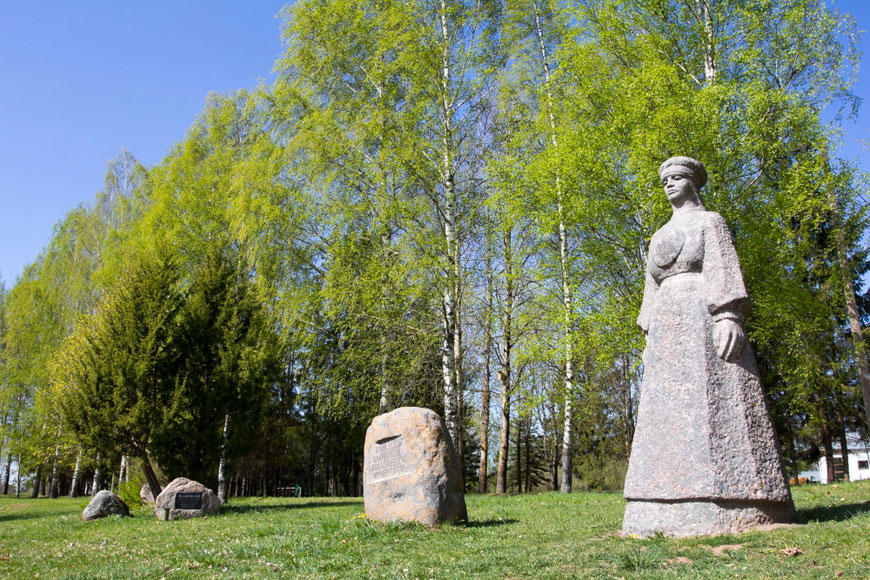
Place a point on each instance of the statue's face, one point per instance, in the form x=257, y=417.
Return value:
x=678, y=187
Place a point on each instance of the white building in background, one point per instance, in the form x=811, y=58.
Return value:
x=858, y=455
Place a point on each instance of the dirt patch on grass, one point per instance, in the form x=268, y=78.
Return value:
x=719, y=551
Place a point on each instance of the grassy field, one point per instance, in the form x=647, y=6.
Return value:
x=532, y=536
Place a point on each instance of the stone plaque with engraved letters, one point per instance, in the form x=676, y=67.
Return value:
x=188, y=501
x=388, y=460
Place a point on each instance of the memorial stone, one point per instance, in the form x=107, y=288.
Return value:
x=184, y=498
x=411, y=469
x=103, y=504
x=705, y=458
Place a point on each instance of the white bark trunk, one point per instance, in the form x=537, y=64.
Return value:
x=74, y=487
x=18, y=477
x=505, y=373
x=222, y=466
x=122, y=470
x=448, y=353
x=52, y=493
x=567, y=301
x=95, y=486
x=704, y=8
x=483, y=467
x=383, y=404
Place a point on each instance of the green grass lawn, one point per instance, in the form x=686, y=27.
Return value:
x=531, y=536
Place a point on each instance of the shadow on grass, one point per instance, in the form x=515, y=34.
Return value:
x=490, y=523
x=834, y=513
x=242, y=509
x=23, y=516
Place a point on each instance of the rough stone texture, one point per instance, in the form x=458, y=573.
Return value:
x=411, y=469
x=685, y=519
x=145, y=494
x=104, y=504
x=705, y=458
x=166, y=500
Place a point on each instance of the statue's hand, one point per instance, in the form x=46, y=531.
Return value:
x=729, y=338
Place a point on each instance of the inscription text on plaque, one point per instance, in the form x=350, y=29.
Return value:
x=388, y=459
x=188, y=501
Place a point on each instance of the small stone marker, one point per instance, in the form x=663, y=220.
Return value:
x=104, y=504
x=411, y=469
x=184, y=498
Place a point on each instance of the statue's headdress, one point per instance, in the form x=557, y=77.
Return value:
x=686, y=165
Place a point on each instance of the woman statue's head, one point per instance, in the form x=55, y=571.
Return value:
x=683, y=178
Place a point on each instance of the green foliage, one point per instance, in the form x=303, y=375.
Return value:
x=229, y=360
x=129, y=493
x=120, y=367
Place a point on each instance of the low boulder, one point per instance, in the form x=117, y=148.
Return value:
x=145, y=494
x=185, y=498
x=104, y=504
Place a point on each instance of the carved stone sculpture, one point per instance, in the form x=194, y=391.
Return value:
x=705, y=457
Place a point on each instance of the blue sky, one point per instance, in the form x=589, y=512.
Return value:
x=81, y=79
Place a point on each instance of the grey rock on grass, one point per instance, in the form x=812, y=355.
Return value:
x=105, y=504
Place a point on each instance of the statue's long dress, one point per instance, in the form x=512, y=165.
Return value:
x=705, y=458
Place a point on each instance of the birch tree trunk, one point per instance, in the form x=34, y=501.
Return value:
x=122, y=470
x=482, y=473
x=448, y=352
x=222, y=466
x=505, y=372
x=52, y=491
x=519, y=455
x=95, y=486
x=704, y=9
x=383, y=404
x=74, y=486
x=504, y=433
x=567, y=300
x=457, y=357
x=2, y=447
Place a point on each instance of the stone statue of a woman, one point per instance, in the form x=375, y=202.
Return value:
x=705, y=458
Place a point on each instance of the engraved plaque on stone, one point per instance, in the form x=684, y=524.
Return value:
x=388, y=460
x=188, y=501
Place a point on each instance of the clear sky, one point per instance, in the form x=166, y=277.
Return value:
x=81, y=79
